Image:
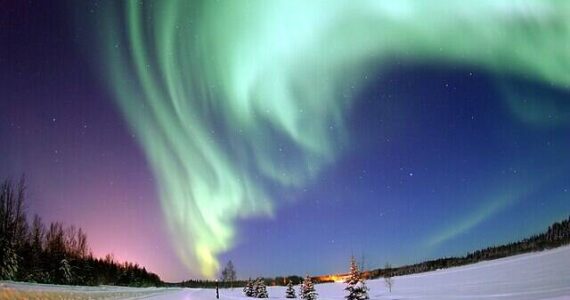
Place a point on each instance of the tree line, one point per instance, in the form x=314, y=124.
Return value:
x=58, y=254
x=54, y=253
x=556, y=235
x=203, y=283
x=228, y=279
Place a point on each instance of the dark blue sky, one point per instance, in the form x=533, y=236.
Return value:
x=438, y=162
x=432, y=148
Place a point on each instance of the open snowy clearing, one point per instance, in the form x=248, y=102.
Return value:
x=19, y=290
x=542, y=275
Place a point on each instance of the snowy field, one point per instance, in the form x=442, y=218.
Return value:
x=542, y=275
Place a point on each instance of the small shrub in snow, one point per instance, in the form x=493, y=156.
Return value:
x=260, y=289
x=290, y=291
x=248, y=290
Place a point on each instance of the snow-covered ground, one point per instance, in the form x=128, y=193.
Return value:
x=18, y=290
x=542, y=275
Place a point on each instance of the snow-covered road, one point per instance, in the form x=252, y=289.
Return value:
x=542, y=275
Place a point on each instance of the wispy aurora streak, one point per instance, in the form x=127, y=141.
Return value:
x=216, y=90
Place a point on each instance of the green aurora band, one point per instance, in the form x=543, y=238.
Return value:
x=215, y=90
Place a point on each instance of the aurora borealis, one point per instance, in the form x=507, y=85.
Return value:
x=440, y=121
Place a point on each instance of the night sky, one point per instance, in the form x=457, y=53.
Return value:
x=284, y=136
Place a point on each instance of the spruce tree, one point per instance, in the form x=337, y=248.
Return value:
x=290, y=292
x=9, y=261
x=356, y=287
x=65, y=270
x=260, y=289
x=248, y=289
x=307, y=290
x=13, y=228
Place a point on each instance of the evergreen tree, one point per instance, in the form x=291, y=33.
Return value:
x=13, y=228
x=9, y=262
x=65, y=270
x=245, y=288
x=248, y=290
x=290, y=292
x=34, y=259
x=307, y=289
x=260, y=288
x=356, y=287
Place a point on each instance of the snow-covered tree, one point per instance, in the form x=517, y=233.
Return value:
x=307, y=290
x=9, y=262
x=290, y=291
x=248, y=290
x=260, y=289
x=65, y=269
x=356, y=286
x=13, y=228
